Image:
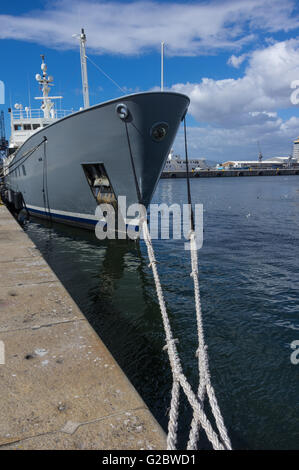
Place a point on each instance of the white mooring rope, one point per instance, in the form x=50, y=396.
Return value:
x=220, y=440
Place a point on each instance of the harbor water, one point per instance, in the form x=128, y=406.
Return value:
x=249, y=279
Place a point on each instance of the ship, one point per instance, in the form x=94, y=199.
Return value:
x=62, y=164
x=175, y=163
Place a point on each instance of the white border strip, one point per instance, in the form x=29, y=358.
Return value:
x=78, y=215
x=69, y=214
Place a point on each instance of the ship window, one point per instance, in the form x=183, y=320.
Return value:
x=24, y=171
x=17, y=127
x=27, y=127
x=35, y=126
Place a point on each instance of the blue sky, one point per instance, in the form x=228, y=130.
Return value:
x=236, y=60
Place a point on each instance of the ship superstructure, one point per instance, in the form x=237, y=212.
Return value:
x=296, y=149
x=26, y=121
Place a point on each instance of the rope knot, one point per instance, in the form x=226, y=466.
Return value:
x=198, y=350
x=153, y=263
x=171, y=341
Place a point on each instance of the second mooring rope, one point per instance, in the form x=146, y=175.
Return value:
x=220, y=440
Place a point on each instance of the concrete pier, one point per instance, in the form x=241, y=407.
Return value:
x=60, y=387
x=232, y=173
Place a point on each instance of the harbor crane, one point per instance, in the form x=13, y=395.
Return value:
x=260, y=157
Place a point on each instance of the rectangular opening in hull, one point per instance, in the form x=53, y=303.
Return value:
x=99, y=183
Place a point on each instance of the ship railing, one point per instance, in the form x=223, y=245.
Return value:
x=27, y=115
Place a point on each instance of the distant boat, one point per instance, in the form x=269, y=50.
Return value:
x=175, y=163
x=62, y=164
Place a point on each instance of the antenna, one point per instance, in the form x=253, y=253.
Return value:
x=162, y=66
x=29, y=95
x=45, y=81
x=82, y=38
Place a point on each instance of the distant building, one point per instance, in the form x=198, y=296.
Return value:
x=296, y=150
x=275, y=162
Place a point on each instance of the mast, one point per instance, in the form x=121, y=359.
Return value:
x=84, y=68
x=162, y=66
x=3, y=141
x=45, y=82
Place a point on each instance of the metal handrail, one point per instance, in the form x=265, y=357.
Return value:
x=27, y=115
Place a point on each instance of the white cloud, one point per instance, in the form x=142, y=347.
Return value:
x=236, y=113
x=134, y=27
x=237, y=61
x=221, y=144
x=264, y=88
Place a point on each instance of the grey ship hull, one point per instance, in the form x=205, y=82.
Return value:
x=52, y=181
